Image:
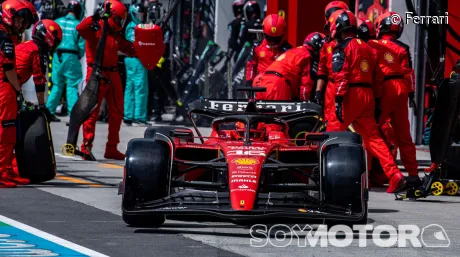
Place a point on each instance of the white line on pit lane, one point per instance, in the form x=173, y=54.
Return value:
x=51, y=238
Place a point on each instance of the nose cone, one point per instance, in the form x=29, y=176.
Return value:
x=244, y=174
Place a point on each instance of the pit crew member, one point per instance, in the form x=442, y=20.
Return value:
x=67, y=72
x=398, y=90
x=293, y=72
x=90, y=30
x=325, y=68
x=353, y=67
x=264, y=54
x=14, y=20
x=234, y=28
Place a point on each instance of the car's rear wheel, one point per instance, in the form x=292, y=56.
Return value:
x=146, y=178
x=344, y=177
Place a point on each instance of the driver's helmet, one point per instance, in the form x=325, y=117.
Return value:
x=256, y=133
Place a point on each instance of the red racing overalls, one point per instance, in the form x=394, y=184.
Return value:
x=113, y=93
x=397, y=84
x=8, y=111
x=293, y=72
x=262, y=56
x=32, y=60
x=325, y=72
x=353, y=70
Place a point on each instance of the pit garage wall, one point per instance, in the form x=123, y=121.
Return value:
x=377, y=7
x=408, y=37
x=302, y=17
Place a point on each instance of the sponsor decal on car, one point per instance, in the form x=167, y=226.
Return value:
x=243, y=190
x=243, y=172
x=244, y=176
x=246, y=161
x=246, y=152
x=274, y=137
x=243, y=181
x=198, y=146
x=232, y=147
x=245, y=167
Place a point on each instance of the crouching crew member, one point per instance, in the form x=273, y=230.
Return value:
x=293, y=72
x=32, y=56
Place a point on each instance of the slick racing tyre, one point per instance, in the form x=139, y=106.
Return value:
x=344, y=183
x=34, y=147
x=146, y=179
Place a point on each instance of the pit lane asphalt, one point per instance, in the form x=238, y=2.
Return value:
x=82, y=206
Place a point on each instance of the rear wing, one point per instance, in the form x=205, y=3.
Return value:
x=239, y=106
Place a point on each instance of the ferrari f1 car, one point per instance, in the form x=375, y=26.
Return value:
x=263, y=160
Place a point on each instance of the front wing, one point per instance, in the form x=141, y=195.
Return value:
x=268, y=205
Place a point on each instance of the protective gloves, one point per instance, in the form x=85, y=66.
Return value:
x=19, y=99
x=103, y=14
x=338, y=108
x=318, y=98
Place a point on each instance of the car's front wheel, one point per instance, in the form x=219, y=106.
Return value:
x=344, y=177
x=146, y=179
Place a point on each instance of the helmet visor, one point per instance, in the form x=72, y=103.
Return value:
x=119, y=21
x=22, y=19
x=139, y=16
x=274, y=40
x=154, y=14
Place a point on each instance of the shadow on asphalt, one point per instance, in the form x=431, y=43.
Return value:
x=193, y=225
x=382, y=210
x=380, y=190
x=65, y=185
x=190, y=232
x=434, y=201
x=274, y=233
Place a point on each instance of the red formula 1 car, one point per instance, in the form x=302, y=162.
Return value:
x=262, y=160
